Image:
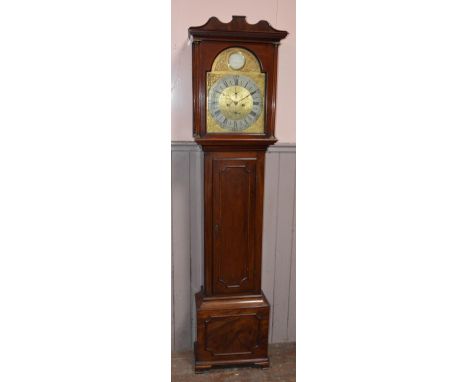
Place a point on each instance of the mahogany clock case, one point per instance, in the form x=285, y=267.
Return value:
x=231, y=310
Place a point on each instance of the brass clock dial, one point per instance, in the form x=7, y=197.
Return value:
x=235, y=102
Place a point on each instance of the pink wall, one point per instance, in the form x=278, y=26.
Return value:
x=281, y=14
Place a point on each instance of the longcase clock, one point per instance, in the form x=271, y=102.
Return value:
x=234, y=97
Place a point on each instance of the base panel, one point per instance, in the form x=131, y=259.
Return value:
x=201, y=366
x=231, y=331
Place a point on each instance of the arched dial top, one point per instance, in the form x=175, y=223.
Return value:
x=235, y=93
x=247, y=60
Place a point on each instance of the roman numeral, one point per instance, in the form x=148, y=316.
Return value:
x=256, y=103
x=236, y=80
x=252, y=113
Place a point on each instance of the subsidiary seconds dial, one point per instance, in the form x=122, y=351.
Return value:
x=235, y=102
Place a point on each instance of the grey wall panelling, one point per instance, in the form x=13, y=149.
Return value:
x=292, y=284
x=284, y=242
x=181, y=298
x=278, y=269
x=196, y=229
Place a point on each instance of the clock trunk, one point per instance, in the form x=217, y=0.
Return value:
x=233, y=225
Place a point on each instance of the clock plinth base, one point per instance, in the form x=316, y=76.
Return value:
x=201, y=366
x=231, y=331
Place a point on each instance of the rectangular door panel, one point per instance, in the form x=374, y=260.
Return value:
x=234, y=204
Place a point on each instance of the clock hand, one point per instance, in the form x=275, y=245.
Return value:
x=244, y=97
x=236, y=102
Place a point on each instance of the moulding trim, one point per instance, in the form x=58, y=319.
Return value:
x=193, y=146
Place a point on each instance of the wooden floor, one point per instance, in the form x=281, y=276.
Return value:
x=282, y=368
